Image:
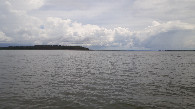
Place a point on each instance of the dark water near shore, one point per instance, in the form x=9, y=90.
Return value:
x=97, y=80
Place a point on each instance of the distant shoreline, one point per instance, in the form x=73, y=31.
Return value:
x=44, y=47
x=61, y=47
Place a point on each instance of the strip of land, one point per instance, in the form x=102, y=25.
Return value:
x=44, y=47
x=61, y=47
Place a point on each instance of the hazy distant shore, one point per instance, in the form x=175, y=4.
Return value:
x=144, y=50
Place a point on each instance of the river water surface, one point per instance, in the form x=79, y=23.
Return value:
x=52, y=79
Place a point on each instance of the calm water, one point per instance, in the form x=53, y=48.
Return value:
x=97, y=80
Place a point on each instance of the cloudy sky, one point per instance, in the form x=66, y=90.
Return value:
x=99, y=24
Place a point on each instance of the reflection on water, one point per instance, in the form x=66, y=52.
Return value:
x=97, y=79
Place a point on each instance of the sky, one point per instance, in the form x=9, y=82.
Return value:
x=99, y=24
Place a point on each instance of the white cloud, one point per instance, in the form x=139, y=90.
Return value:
x=4, y=38
x=18, y=27
x=168, y=35
x=25, y=5
x=68, y=32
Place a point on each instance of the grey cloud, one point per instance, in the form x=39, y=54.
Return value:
x=26, y=5
x=135, y=14
x=165, y=9
x=173, y=39
x=169, y=35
